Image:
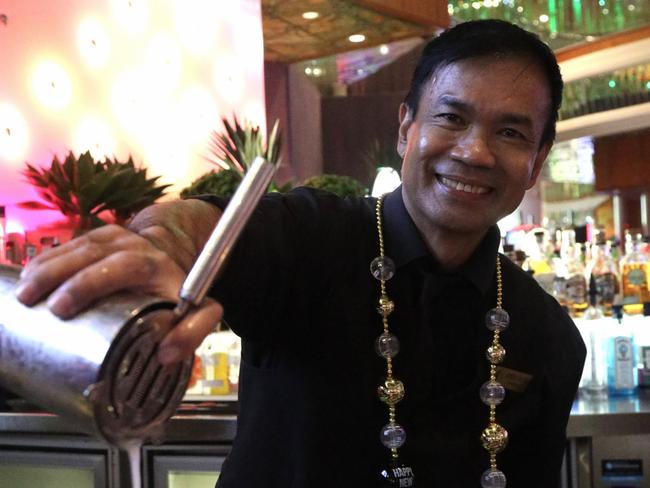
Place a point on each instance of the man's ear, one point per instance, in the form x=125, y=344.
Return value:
x=405, y=120
x=542, y=154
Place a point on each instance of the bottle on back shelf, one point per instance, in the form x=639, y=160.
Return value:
x=634, y=275
x=540, y=259
x=605, y=272
x=3, y=236
x=593, y=384
x=574, y=270
x=621, y=364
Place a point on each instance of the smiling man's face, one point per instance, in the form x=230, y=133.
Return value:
x=473, y=148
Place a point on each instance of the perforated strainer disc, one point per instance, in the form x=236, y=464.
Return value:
x=135, y=394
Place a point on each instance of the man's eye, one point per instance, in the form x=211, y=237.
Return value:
x=453, y=118
x=512, y=133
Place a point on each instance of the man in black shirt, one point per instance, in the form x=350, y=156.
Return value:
x=474, y=132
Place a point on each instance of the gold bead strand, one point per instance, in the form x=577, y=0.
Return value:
x=391, y=392
x=494, y=437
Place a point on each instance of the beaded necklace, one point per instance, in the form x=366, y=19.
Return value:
x=494, y=437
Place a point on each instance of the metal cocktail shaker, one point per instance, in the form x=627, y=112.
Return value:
x=99, y=369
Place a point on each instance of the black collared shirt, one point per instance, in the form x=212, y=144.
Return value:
x=299, y=291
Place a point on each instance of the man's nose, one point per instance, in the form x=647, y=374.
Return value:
x=473, y=147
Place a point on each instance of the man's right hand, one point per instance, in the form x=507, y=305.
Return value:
x=153, y=258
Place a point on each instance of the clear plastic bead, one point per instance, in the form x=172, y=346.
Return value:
x=492, y=393
x=393, y=436
x=382, y=268
x=493, y=478
x=387, y=345
x=497, y=319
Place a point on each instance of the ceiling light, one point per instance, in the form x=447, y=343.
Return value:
x=543, y=18
x=310, y=15
x=357, y=38
x=384, y=49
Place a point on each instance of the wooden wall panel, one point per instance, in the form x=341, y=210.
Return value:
x=622, y=161
x=429, y=13
x=350, y=124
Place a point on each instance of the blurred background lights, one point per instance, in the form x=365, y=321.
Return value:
x=195, y=24
x=94, y=135
x=387, y=180
x=229, y=81
x=13, y=134
x=310, y=15
x=129, y=100
x=131, y=15
x=14, y=227
x=384, y=49
x=163, y=64
x=52, y=85
x=357, y=38
x=93, y=43
x=197, y=115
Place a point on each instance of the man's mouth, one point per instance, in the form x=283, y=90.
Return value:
x=460, y=186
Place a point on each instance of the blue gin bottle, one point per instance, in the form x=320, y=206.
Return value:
x=621, y=363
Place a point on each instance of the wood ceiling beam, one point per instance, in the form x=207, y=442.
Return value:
x=605, y=42
x=428, y=13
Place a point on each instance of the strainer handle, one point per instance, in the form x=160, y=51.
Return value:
x=225, y=234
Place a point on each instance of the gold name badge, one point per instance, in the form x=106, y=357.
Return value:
x=512, y=379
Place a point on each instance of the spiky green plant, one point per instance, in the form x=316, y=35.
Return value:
x=233, y=151
x=238, y=145
x=82, y=188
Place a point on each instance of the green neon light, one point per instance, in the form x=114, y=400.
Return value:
x=577, y=11
x=552, y=16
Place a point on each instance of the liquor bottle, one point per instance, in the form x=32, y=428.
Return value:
x=634, y=275
x=540, y=260
x=621, y=365
x=3, y=236
x=605, y=272
x=576, y=283
x=593, y=384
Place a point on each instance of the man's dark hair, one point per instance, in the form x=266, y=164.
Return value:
x=479, y=38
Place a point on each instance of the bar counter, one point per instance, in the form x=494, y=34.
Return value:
x=614, y=416
x=194, y=432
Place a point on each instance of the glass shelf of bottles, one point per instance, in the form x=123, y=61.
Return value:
x=616, y=89
x=605, y=287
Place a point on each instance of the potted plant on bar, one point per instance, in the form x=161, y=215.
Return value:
x=232, y=151
x=88, y=191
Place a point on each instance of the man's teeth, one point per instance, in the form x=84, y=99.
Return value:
x=457, y=185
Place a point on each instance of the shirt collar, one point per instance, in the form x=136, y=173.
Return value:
x=404, y=244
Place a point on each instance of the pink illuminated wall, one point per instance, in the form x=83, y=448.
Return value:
x=118, y=77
